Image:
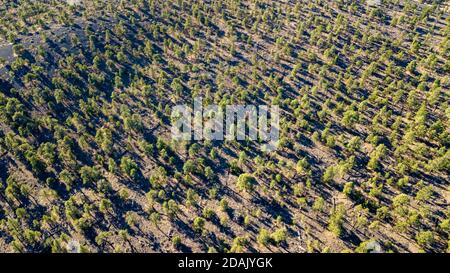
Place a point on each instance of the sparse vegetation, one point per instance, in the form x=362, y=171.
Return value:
x=86, y=152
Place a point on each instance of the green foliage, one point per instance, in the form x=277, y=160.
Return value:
x=189, y=167
x=246, y=182
x=263, y=237
x=348, y=188
x=319, y=204
x=199, y=224
x=365, y=112
x=176, y=241
x=336, y=221
x=128, y=166
x=89, y=175
x=425, y=238
x=375, y=157
x=279, y=236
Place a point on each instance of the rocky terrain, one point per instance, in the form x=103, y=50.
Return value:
x=88, y=164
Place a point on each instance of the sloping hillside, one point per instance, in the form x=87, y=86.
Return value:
x=87, y=161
